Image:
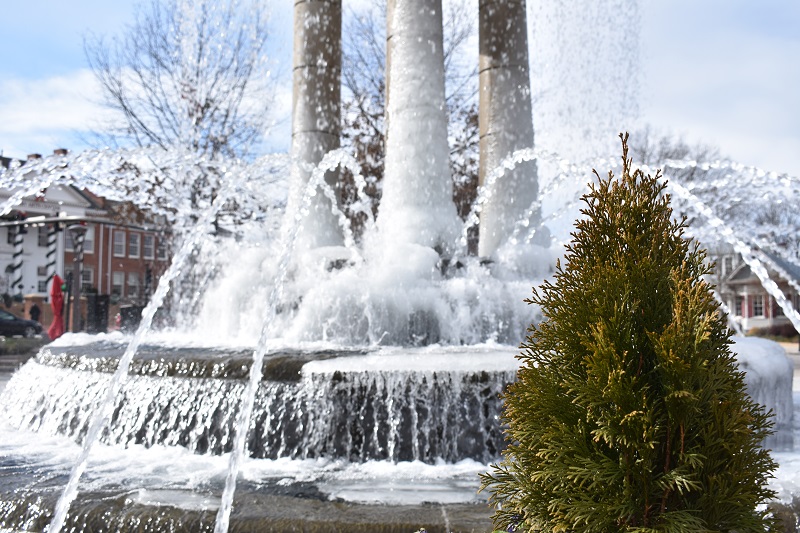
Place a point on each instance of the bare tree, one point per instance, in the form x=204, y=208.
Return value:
x=654, y=148
x=187, y=74
x=364, y=62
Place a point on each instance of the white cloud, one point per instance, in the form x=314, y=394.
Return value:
x=714, y=78
x=39, y=115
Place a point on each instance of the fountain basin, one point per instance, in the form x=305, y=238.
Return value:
x=388, y=439
x=432, y=404
x=428, y=404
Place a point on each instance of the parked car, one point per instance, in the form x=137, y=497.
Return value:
x=11, y=325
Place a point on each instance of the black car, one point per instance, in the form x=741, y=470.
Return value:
x=13, y=325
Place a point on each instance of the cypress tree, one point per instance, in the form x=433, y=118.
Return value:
x=629, y=413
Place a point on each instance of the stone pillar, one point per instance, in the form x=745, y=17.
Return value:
x=316, y=121
x=16, y=260
x=505, y=118
x=417, y=202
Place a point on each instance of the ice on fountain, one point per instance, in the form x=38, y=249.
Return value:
x=416, y=204
x=768, y=374
x=425, y=404
x=395, y=299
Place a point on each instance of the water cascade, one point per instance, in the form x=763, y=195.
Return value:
x=104, y=408
x=747, y=253
x=346, y=405
x=245, y=411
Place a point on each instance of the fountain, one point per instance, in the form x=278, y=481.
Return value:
x=361, y=372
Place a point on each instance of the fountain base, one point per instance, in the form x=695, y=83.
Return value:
x=359, y=440
x=254, y=511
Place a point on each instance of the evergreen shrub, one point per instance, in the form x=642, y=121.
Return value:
x=629, y=413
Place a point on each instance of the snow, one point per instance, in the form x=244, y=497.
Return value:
x=486, y=357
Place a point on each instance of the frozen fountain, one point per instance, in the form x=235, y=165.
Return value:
x=364, y=371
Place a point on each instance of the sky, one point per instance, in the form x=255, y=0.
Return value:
x=721, y=72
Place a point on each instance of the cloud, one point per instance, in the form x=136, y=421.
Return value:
x=717, y=77
x=42, y=114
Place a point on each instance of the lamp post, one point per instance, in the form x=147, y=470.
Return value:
x=78, y=232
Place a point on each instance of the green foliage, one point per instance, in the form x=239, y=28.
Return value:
x=629, y=413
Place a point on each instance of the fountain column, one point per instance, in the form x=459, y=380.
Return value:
x=505, y=119
x=417, y=203
x=316, y=122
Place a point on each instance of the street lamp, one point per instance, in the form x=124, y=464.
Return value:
x=77, y=232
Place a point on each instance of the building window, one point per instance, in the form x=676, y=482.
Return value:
x=119, y=243
x=87, y=277
x=133, y=284
x=133, y=245
x=148, y=246
x=162, y=250
x=758, y=305
x=727, y=265
x=777, y=309
x=10, y=235
x=148, y=282
x=738, y=308
x=42, y=237
x=117, y=279
x=42, y=286
x=88, y=241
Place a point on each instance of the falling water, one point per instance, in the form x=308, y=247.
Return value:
x=488, y=190
x=585, y=72
x=329, y=163
x=747, y=253
x=104, y=409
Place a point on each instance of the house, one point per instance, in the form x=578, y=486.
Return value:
x=125, y=251
x=749, y=302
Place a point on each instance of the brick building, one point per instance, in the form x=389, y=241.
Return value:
x=124, y=251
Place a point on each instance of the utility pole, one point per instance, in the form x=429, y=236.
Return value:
x=78, y=232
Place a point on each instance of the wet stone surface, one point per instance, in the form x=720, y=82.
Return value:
x=163, y=361
x=266, y=508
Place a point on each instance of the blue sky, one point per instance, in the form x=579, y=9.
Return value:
x=723, y=72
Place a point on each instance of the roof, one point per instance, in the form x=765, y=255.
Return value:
x=792, y=269
x=744, y=274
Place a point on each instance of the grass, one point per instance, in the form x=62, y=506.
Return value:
x=21, y=346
